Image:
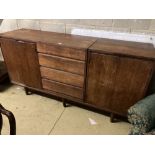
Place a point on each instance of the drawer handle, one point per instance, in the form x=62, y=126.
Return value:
x=19, y=41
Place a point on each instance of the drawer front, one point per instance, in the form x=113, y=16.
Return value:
x=60, y=63
x=61, y=76
x=58, y=50
x=62, y=88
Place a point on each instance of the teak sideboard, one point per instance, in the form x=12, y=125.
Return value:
x=105, y=74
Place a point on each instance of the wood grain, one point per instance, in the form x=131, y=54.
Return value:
x=62, y=88
x=61, y=51
x=125, y=48
x=22, y=62
x=116, y=83
x=60, y=63
x=61, y=76
x=3, y=71
x=66, y=40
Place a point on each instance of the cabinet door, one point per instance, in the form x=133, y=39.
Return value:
x=116, y=83
x=22, y=62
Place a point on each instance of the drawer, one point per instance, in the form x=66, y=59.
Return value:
x=61, y=76
x=60, y=63
x=62, y=88
x=58, y=50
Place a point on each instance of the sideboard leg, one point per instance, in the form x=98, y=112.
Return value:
x=27, y=91
x=64, y=103
x=112, y=118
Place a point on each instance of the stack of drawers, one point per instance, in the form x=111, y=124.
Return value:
x=62, y=69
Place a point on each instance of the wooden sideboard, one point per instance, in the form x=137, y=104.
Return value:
x=106, y=74
x=3, y=72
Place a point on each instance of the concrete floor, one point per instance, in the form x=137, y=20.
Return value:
x=38, y=115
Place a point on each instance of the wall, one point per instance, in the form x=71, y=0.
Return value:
x=131, y=26
x=137, y=26
x=145, y=26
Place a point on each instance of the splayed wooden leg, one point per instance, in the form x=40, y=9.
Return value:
x=27, y=91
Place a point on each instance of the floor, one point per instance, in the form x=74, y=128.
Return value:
x=38, y=115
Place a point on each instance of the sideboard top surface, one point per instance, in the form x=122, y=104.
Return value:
x=100, y=45
x=120, y=47
x=62, y=39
